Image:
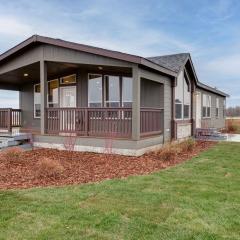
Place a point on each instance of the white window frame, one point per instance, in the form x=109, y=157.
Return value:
x=100, y=75
x=208, y=105
x=34, y=108
x=217, y=107
x=56, y=79
x=185, y=80
x=75, y=79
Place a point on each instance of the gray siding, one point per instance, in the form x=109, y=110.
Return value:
x=26, y=105
x=213, y=121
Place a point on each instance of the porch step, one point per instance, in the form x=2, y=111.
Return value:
x=11, y=140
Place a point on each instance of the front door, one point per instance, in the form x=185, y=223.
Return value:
x=68, y=97
x=68, y=100
x=198, y=109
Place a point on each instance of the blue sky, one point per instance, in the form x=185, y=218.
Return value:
x=209, y=30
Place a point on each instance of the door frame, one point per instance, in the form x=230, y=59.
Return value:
x=60, y=95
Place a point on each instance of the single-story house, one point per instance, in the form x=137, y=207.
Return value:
x=98, y=94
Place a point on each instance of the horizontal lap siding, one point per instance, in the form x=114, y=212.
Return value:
x=213, y=121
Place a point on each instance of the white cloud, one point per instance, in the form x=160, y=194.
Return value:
x=10, y=25
x=228, y=65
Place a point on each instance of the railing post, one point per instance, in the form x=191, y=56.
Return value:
x=136, y=103
x=9, y=120
x=86, y=121
x=43, y=85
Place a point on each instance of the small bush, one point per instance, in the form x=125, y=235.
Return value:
x=232, y=128
x=168, y=152
x=188, y=145
x=48, y=167
x=12, y=155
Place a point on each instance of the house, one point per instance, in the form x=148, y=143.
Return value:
x=98, y=94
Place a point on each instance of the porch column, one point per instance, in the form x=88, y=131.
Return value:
x=43, y=85
x=136, y=103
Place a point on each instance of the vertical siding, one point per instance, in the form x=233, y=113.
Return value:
x=26, y=104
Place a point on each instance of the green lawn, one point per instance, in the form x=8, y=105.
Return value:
x=199, y=199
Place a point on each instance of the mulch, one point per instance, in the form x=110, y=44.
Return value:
x=84, y=167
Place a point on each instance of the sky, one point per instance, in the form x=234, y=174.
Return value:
x=209, y=30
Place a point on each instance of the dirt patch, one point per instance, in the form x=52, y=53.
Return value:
x=77, y=167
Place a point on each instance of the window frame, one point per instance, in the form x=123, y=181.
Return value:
x=184, y=81
x=34, y=107
x=217, y=107
x=208, y=105
x=56, y=79
x=102, y=96
x=70, y=83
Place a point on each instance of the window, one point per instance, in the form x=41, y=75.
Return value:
x=206, y=110
x=53, y=93
x=217, y=107
x=71, y=79
x=187, y=99
x=112, y=91
x=37, y=101
x=95, y=90
x=127, y=92
x=182, y=98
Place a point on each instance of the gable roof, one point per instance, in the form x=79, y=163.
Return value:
x=170, y=65
x=173, y=62
x=176, y=62
x=36, y=39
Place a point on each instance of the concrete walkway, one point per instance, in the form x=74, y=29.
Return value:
x=232, y=137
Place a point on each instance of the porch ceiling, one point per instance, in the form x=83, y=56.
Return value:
x=16, y=78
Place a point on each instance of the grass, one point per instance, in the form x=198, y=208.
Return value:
x=199, y=199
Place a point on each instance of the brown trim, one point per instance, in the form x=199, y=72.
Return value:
x=173, y=125
x=185, y=121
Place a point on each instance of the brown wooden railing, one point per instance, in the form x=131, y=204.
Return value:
x=10, y=118
x=114, y=122
x=151, y=121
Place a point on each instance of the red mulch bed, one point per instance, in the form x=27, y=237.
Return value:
x=84, y=167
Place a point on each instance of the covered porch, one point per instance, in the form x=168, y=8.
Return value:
x=59, y=98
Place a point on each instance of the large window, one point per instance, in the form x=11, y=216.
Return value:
x=182, y=99
x=127, y=92
x=95, y=90
x=206, y=110
x=37, y=101
x=217, y=107
x=112, y=91
x=53, y=93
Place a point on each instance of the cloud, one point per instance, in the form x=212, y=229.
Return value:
x=227, y=65
x=10, y=25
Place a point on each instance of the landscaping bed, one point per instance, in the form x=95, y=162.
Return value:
x=48, y=167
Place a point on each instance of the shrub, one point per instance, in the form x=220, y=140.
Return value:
x=232, y=128
x=48, y=167
x=188, y=145
x=168, y=152
x=12, y=155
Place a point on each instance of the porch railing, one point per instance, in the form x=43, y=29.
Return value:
x=10, y=118
x=151, y=121
x=114, y=122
